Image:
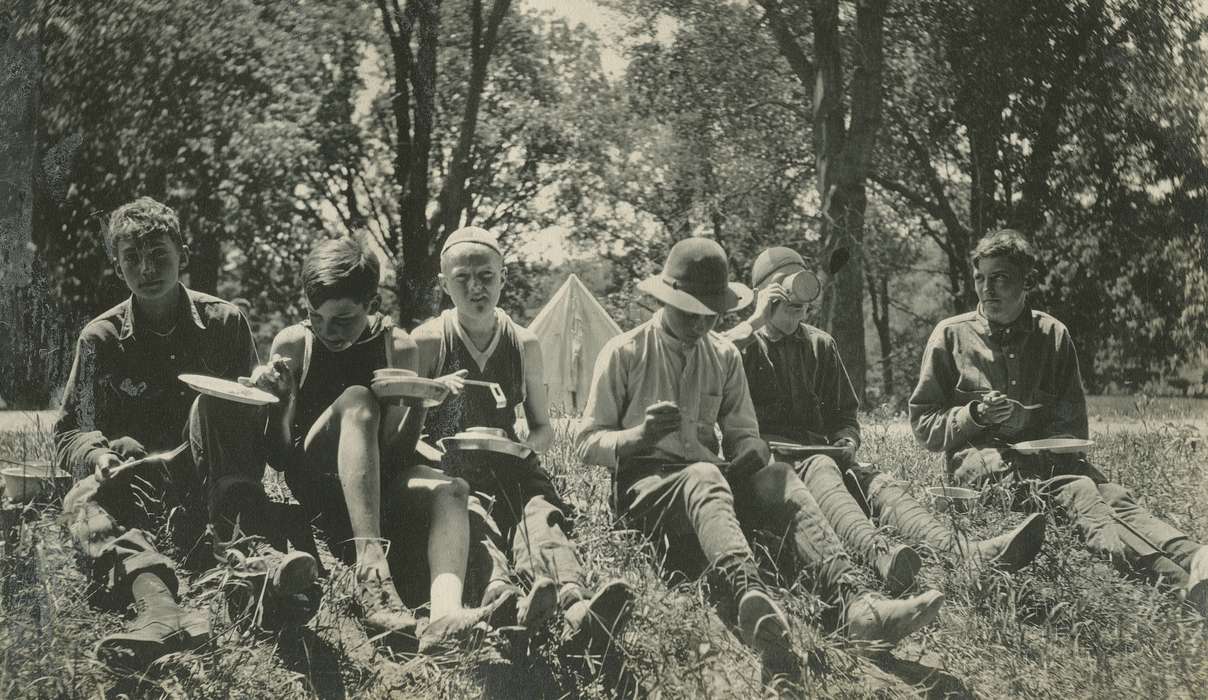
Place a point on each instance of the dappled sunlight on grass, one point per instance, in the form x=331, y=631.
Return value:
x=1068, y=626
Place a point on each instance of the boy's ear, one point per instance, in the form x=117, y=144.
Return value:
x=444, y=284
x=503, y=274
x=118, y=269
x=375, y=303
x=184, y=256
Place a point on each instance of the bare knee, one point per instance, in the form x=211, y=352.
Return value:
x=453, y=491
x=359, y=404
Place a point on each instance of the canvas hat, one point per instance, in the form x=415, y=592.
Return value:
x=472, y=234
x=696, y=278
x=802, y=283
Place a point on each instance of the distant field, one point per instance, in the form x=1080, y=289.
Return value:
x=1069, y=626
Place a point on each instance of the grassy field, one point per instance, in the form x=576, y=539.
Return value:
x=1069, y=626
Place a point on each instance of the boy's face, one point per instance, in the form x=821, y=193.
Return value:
x=339, y=323
x=688, y=327
x=149, y=266
x=787, y=315
x=1001, y=288
x=472, y=275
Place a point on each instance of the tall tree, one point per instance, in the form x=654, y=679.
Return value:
x=1080, y=123
x=846, y=118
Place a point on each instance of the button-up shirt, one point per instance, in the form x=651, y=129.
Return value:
x=799, y=385
x=1031, y=360
x=647, y=365
x=123, y=380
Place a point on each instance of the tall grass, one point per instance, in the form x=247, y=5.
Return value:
x=1068, y=626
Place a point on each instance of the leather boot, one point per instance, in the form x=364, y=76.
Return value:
x=884, y=622
x=596, y=624
x=379, y=606
x=161, y=627
x=1197, y=582
x=898, y=567
x=268, y=588
x=1011, y=551
x=764, y=628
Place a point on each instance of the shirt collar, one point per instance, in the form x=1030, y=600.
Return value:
x=186, y=308
x=1022, y=325
x=665, y=338
x=798, y=333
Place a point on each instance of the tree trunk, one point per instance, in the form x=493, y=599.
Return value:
x=36, y=337
x=878, y=294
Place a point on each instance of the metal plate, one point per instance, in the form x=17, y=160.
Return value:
x=432, y=392
x=226, y=389
x=1059, y=446
x=484, y=443
x=792, y=449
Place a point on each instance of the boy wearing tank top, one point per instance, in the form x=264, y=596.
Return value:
x=476, y=340
x=343, y=451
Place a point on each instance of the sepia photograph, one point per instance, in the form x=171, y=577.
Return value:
x=604, y=349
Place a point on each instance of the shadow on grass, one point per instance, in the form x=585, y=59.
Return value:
x=933, y=682
x=317, y=660
x=537, y=668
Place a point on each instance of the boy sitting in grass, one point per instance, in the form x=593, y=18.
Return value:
x=344, y=452
x=657, y=395
x=123, y=401
x=802, y=394
x=476, y=340
x=1006, y=373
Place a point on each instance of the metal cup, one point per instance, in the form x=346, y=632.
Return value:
x=803, y=286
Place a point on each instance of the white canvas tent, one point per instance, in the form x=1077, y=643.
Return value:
x=572, y=327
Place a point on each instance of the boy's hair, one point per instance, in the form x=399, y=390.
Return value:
x=142, y=219
x=340, y=269
x=1007, y=243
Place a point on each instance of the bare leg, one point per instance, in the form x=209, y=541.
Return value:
x=448, y=536
x=356, y=416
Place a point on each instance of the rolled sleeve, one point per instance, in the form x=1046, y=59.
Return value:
x=77, y=434
x=598, y=429
x=843, y=421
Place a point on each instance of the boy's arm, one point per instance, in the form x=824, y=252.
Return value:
x=842, y=421
x=739, y=426
x=940, y=423
x=766, y=301
x=80, y=446
x=536, y=399
x=1069, y=415
x=289, y=345
x=601, y=438
x=402, y=424
x=426, y=352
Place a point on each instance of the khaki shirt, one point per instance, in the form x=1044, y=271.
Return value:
x=647, y=365
x=1031, y=360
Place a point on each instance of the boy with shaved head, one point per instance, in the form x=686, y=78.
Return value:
x=477, y=341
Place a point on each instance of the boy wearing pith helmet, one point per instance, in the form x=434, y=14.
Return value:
x=476, y=341
x=657, y=395
x=1005, y=374
x=200, y=463
x=803, y=395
